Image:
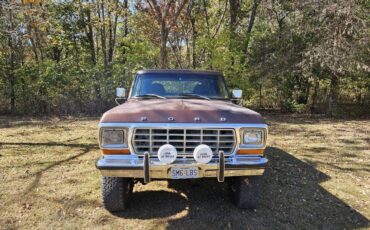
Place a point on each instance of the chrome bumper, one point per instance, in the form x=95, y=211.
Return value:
x=151, y=168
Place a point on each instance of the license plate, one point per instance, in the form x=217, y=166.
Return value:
x=184, y=173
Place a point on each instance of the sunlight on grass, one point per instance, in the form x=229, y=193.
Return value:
x=319, y=176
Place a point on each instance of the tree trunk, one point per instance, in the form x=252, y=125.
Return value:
x=206, y=17
x=12, y=83
x=333, y=95
x=126, y=17
x=93, y=58
x=260, y=95
x=193, y=43
x=314, y=97
x=164, y=36
x=207, y=54
x=101, y=15
x=234, y=11
x=176, y=52
x=112, y=32
x=32, y=41
x=11, y=63
x=125, y=33
x=252, y=17
x=77, y=54
x=90, y=37
x=187, y=52
x=29, y=23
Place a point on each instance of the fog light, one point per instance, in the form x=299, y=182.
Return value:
x=203, y=154
x=167, y=153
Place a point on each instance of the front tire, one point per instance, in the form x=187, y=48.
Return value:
x=245, y=191
x=116, y=193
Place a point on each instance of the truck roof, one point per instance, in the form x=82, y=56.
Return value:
x=179, y=71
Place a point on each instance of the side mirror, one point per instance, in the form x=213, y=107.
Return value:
x=120, y=92
x=237, y=93
x=120, y=95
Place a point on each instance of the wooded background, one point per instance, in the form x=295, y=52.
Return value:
x=67, y=57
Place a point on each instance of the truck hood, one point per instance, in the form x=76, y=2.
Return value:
x=180, y=111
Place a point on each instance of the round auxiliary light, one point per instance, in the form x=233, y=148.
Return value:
x=203, y=154
x=167, y=153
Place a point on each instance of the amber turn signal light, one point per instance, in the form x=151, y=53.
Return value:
x=115, y=151
x=251, y=151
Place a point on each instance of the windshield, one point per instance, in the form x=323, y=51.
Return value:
x=172, y=85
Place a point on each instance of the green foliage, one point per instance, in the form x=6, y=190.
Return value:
x=67, y=57
x=291, y=106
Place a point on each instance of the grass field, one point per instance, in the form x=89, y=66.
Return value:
x=318, y=178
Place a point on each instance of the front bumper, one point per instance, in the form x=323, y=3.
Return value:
x=132, y=166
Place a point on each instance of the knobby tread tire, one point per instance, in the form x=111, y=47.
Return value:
x=245, y=191
x=116, y=192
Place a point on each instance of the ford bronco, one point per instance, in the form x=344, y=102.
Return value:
x=180, y=124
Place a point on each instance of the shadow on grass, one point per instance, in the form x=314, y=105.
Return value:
x=292, y=198
x=85, y=148
x=51, y=144
x=39, y=173
x=153, y=204
x=25, y=121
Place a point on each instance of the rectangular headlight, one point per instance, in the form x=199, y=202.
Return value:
x=113, y=137
x=253, y=137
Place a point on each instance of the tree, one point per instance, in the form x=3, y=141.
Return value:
x=339, y=40
x=166, y=14
x=67, y=57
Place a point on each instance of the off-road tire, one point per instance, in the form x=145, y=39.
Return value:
x=245, y=191
x=116, y=193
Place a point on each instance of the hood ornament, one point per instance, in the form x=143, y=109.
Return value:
x=171, y=119
x=222, y=118
x=143, y=119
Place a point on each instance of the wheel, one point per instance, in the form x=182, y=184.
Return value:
x=116, y=192
x=245, y=191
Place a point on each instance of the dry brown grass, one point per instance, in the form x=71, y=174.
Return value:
x=318, y=177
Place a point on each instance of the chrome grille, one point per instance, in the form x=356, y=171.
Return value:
x=184, y=140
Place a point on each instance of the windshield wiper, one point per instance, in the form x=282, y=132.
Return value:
x=193, y=95
x=150, y=95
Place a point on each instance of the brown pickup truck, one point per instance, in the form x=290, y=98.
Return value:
x=180, y=124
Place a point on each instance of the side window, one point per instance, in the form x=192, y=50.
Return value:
x=221, y=90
